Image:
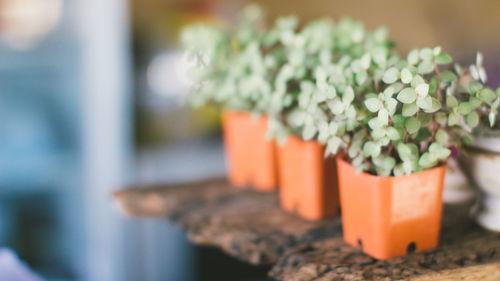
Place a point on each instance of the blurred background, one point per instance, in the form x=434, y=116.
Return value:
x=89, y=103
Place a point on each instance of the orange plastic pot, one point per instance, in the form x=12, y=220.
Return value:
x=251, y=158
x=391, y=216
x=308, y=181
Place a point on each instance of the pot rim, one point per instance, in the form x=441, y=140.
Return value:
x=474, y=150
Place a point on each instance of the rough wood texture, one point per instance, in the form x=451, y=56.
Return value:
x=246, y=224
x=250, y=226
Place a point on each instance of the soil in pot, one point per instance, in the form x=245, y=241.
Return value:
x=251, y=158
x=391, y=216
x=308, y=180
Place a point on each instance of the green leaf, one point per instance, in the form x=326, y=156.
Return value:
x=472, y=119
x=434, y=147
x=358, y=160
x=388, y=163
x=441, y=118
x=388, y=92
x=384, y=141
x=465, y=108
x=396, y=87
x=443, y=58
x=333, y=145
x=309, y=132
x=417, y=80
x=296, y=118
x=475, y=102
x=336, y=106
x=412, y=125
x=442, y=136
x=479, y=58
x=383, y=116
x=427, y=160
x=422, y=90
x=354, y=149
x=406, y=76
x=348, y=96
x=375, y=123
x=451, y=102
x=453, y=119
x=425, y=103
x=408, y=167
x=474, y=86
x=438, y=151
x=423, y=134
x=323, y=131
x=330, y=92
x=424, y=119
x=448, y=76
x=371, y=149
x=426, y=54
x=379, y=133
x=373, y=104
x=398, y=170
x=319, y=96
x=398, y=121
x=487, y=95
x=384, y=165
x=393, y=134
x=350, y=112
x=404, y=152
x=391, y=105
x=368, y=147
x=365, y=61
x=410, y=109
x=425, y=67
x=391, y=75
x=413, y=57
x=333, y=127
x=361, y=77
x=495, y=105
x=444, y=153
x=435, y=106
x=491, y=118
x=407, y=95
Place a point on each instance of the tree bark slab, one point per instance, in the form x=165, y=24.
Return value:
x=251, y=226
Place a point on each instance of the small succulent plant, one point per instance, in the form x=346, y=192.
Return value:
x=209, y=48
x=408, y=115
x=233, y=68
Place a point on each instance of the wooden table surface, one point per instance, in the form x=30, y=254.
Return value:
x=251, y=226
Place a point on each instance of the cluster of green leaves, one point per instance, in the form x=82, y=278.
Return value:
x=343, y=86
x=409, y=114
x=209, y=48
x=235, y=68
x=322, y=60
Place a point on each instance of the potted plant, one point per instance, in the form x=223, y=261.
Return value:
x=482, y=161
x=407, y=118
x=457, y=187
x=234, y=71
x=482, y=158
x=308, y=180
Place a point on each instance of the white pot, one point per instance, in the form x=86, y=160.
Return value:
x=457, y=188
x=484, y=168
